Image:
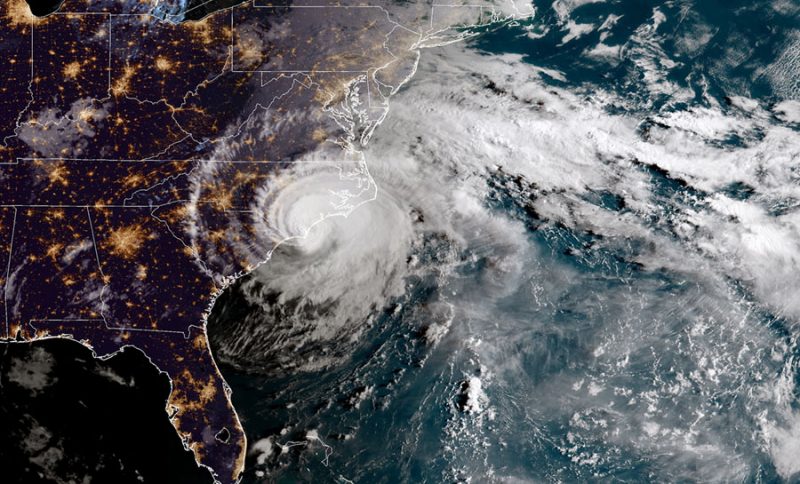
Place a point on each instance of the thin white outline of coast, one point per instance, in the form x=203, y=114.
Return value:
x=495, y=19
x=417, y=47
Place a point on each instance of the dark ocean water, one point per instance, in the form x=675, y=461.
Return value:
x=744, y=39
x=395, y=410
x=67, y=416
x=398, y=408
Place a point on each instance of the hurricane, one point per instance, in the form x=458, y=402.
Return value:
x=578, y=261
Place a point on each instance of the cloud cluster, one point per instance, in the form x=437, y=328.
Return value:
x=625, y=278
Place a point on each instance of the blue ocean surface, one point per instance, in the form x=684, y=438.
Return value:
x=558, y=351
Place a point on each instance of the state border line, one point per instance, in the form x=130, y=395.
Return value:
x=117, y=206
x=177, y=160
x=185, y=334
x=8, y=273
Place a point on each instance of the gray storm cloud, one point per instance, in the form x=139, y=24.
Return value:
x=433, y=160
